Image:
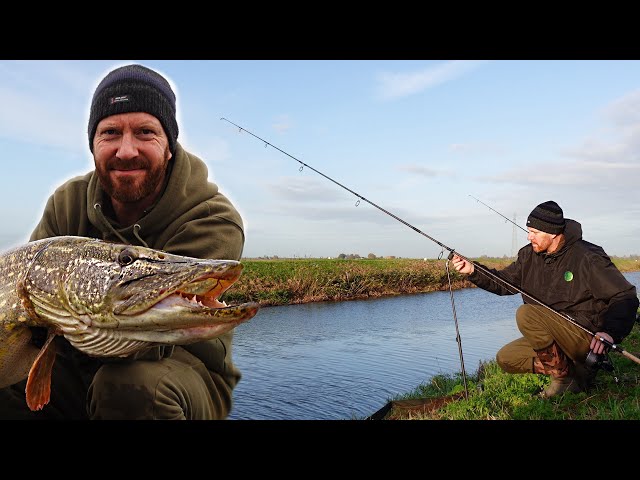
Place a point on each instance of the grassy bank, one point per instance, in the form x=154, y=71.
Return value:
x=291, y=281
x=495, y=395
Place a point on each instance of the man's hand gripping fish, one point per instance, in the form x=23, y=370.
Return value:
x=107, y=300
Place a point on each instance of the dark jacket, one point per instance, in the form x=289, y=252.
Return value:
x=190, y=218
x=578, y=280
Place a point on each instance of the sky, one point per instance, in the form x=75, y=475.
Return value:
x=418, y=138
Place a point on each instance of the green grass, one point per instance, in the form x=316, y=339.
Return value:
x=290, y=281
x=281, y=282
x=495, y=395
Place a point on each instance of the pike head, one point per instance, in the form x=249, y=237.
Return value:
x=112, y=299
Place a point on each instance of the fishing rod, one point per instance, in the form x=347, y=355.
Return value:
x=508, y=220
x=360, y=197
x=613, y=346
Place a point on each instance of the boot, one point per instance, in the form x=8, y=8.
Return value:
x=560, y=385
x=561, y=369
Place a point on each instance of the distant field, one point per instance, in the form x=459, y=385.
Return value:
x=289, y=281
x=627, y=264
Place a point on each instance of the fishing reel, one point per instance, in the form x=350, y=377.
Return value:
x=598, y=361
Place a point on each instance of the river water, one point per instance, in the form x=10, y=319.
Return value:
x=346, y=360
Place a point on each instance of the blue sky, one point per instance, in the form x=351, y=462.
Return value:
x=416, y=137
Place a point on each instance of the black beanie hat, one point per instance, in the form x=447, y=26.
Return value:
x=547, y=217
x=134, y=88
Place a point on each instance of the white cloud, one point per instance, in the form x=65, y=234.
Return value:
x=211, y=150
x=587, y=173
x=393, y=85
x=282, y=123
x=607, y=160
x=45, y=103
x=29, y=119
x=617, y=144
x=421, y=170
x=626, y=110
x=304, y=189
x=475, y=148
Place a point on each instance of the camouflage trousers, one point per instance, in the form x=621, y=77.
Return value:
x=540, y=328
x=172, y=388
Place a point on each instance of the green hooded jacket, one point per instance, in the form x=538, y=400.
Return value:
x=190, y=218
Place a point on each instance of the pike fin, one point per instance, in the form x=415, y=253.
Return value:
x=38, y=389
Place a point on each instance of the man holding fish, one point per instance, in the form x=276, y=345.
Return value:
x=145, y=191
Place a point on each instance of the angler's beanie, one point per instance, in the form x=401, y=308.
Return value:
x=135, y=88
x=547, y=217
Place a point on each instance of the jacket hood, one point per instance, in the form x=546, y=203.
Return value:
x=572, y=233
x=187, y=186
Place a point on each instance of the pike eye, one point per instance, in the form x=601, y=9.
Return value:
x=127, y=257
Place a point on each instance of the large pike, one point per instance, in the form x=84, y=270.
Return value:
x=107, y=300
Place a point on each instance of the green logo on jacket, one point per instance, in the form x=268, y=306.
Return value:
x=568, y=276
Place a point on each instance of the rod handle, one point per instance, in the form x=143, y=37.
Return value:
x=630, y=356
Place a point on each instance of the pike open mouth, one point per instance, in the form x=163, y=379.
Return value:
x=185, y=313
x=192, y=302
x=204, y=292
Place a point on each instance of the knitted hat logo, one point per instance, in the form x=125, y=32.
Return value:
x=122, y=98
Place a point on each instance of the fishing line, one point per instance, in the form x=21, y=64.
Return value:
x=509, y=286
x=458, y=339
x=507, y=219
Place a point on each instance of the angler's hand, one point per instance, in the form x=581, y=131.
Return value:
x=462, y=265
x=597, y=346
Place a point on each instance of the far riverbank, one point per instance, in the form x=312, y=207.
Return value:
x=294, y=281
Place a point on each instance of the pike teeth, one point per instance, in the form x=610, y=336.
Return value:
x=195, y=299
